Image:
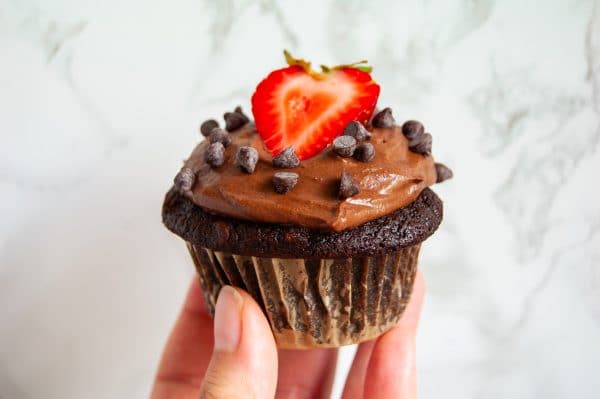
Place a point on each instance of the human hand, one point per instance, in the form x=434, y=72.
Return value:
x=235, y=356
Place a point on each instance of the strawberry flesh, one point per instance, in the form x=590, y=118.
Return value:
x=295, y=109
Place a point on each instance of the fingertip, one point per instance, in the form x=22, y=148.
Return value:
x=392, y=367
x=257, y=334
x=259, y=346
x=409, y=321
x=188, y=349
x=228, y=319
x=245, y=350
x=256, y=319
x=391, y=372
x=355, y=379
x=420, y=286
x=250, y=303
x=194, y=300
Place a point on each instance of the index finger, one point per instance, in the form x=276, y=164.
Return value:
x=392, y=372
x=385, y=367
x=188, y=350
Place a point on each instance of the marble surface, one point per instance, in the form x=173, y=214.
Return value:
x=100, y=102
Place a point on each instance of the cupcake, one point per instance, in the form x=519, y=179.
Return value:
x=317, y=209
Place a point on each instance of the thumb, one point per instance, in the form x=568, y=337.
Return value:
x=244, y=358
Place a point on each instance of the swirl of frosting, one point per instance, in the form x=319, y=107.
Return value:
x=393, y=179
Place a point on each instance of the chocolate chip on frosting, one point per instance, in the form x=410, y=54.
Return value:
x=421, y=144
x=348, y=186
x=344, y=146
x=357, y=130
x=235, y=120
x=412, y=129
x=215, y=154
x=365, y=152
x=284, y=181
x=383, y=119
x=443, y=172
x=247, y=157
x=286, y=159
x=238, y=109
x=185, y=179
x=207, y=126
x=219, y=135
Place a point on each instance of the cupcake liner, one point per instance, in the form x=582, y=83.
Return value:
x=316, y=303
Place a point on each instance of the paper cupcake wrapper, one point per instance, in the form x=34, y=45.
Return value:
x=316, y=303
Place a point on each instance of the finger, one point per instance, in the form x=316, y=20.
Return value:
x=187, y=352
x=391, y=372
x=306, y=373
x=354, y=386
x=244, y=360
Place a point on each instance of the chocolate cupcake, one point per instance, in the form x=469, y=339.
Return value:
x=317, y=216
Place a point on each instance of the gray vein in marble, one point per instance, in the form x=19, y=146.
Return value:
x=226, y=13
x=540, y=174
x=511, y=101
x=274, y=8
x=511, y=109
x=475, y=14
x=592, y=56
x=557, y=260
x=590, y=278
x=411, y=70
x=114, y=139
x=55, y=40
x=223, y=18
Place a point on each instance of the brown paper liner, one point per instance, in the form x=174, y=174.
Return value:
x=316, y=303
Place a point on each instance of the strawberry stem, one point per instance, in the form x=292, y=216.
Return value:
x=306, y=65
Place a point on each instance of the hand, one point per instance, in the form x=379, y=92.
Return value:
x=235, y=356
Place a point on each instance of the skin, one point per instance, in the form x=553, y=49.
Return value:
x=216, y=359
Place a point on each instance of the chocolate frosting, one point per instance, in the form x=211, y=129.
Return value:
x=393, y=179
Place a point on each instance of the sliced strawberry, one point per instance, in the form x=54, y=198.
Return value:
x=293, y=107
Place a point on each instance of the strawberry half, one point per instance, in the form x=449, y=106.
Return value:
x=300, y=108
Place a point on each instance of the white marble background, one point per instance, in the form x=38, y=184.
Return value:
x=100, y=102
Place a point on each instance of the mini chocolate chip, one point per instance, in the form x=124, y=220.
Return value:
x=219, y=135
x=247, y=157
x=412, y=129
x=207, y=126
x=238, y=109
x=286, y=159
x=421, y=144
x=357, y=130
x=284, y=181
x=375, y=112
x=235, y=120
x=344, y=146
x=365, y=152
x=215, y=154
x=443, y=172
x=384, y=119
x=185, y=179
x=348, y=186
